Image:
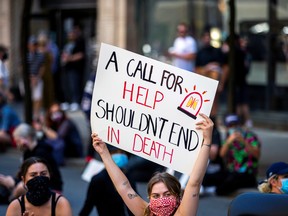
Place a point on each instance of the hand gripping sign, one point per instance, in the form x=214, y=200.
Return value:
x=150, y=108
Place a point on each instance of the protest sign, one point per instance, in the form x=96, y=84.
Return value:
x=150, y=108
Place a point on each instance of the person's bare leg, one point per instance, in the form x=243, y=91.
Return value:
x=37, y=105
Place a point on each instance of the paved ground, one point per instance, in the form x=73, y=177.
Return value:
x=274, y=148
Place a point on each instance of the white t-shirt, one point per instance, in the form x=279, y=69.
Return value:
x=4, y=74
x=184, y=46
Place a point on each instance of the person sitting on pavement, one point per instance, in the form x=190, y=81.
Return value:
x=164, y=190
x=102, y=194
x=276, y=179
x=26, y=140
x=57, y=144
x=39, y=199
x=9, y=119
x=58, y=128
x=240, y=152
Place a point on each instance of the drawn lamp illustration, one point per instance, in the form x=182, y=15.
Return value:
x=191, y=104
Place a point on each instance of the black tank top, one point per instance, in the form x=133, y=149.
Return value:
x=53, y=203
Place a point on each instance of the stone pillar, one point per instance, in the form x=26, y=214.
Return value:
x=5, y=22
x=112, y=22
x=5, y=33
x=10, y=15
x=15, y=57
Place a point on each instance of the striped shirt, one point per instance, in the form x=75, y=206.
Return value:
x=35, y=61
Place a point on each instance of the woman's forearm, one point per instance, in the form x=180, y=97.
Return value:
x=50, y=133
x=118, y=178
x=133, y=201
x=190, y=198
x=200, y=166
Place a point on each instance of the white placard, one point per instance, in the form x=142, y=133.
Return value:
x=92, y=168
x=150, y=108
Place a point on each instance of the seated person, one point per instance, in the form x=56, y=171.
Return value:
x=276, y=179
x=57, y=145
x=39, y=199
x=9, y=119
x=102, y=194
x=240, y=152
x=26, y=140
x=59, y=128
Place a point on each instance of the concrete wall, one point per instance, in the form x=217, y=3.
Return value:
x=10, y=16
x=111, y=22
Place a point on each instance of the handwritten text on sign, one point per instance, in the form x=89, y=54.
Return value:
x=150, y=108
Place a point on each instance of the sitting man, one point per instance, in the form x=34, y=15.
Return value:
x=101, y=192
x=240, y=152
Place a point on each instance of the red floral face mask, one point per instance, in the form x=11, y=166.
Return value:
x=164, y=206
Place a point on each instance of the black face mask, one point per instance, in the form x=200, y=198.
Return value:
x=39, y=191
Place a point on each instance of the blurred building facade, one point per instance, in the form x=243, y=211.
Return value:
x=131, y=24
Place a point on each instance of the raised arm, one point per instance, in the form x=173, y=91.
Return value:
x=189, y=203
x=133, y=201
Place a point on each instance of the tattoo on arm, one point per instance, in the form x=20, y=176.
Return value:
x=132, y=196
x=195, y=195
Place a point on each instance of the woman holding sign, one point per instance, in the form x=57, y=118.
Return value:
x=164, y=190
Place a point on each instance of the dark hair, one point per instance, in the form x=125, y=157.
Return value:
x=30, y=161
x=187, y=27
x=49, y=122
x=206, y=30
x=171, y=183
x=4, y=50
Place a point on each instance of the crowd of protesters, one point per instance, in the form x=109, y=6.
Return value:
x=56, y=78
